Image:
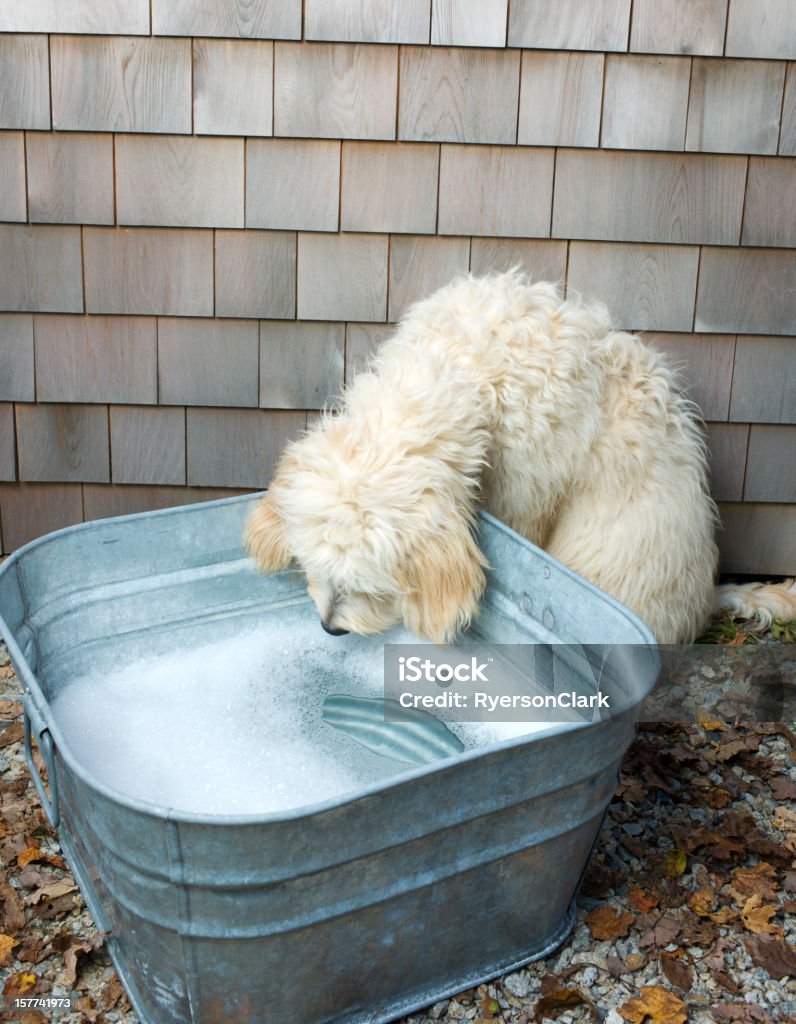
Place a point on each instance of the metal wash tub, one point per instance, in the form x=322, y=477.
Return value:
x=356, y=910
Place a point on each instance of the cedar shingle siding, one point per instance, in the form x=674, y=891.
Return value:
x=212, y=214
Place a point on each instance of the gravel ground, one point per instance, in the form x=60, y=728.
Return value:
x=686, y=912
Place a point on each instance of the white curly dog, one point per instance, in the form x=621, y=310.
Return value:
x=495, y=392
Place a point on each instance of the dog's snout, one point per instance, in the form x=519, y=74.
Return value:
x=333, y=630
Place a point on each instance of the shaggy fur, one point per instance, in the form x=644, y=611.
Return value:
x=759, y=602
x=494, y=392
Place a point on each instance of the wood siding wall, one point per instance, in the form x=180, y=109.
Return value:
x=210, y=214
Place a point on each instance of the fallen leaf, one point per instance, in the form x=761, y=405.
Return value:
x=6, y=672
x=718, y=797
x=774, y=957
x=7, y=943
x=9, y=710
x=52, y=891
x=30, y=853
x=757, y=881
x=657, y=1004
x=71, y=956
x=661, y=933
x=757, y=917
x=783, y=788
x=635, y=961
x=86, y=1006
x=19, y=984
x=743, y=1013
x=11, y=734
x=676, y=970
x=642, y=901
x=702, y=905
x=561, y=999
x=609, y=923
x=12, y=914
x=676, y=863
x=112, y=994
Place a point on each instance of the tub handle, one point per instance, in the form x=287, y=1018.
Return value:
x=44, y=742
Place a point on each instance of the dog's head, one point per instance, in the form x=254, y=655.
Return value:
x=377, y=541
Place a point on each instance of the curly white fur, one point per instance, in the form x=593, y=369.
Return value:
x=495, y=392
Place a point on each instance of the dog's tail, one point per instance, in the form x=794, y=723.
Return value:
x=761, y=603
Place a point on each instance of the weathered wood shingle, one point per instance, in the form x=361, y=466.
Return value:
x=24, y=82
x=245, y=19
x=16, y=358
x=293, y=184
x=40, y=269
x=108, y=17
x=649, y=197
x=645, y=102
x=771, y=466
x=750, y=291
x=646, y=287
x=63, y=443
x=301, y=364
x=207, y=362
x=335, y=90
x=764, y=381
x=544, y=260
x=757, y=538
x=147, y=445
x=770, y=211
x=31, y=510
x=233, y=87
x=8, y=458
x=560, y=99
x=13, y=203
x=149, y=270
x=761, y=28
x=342, y=277
x=705, y=363
x=495, y=190
x=361, y=344
x=458, y=95
x=418, y=266
x=389, y=187
x=570, y=24
x=367, y=21
x=121, y=84
x=468, y=23
x=95, y=359
x=237, y=447
x=787, y=131
x=734, y=106
x=679, y=26
x=727, y=444
x=177, y=181
x=70, y=178
x=256, y=273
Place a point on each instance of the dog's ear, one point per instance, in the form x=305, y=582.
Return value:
x=443, y=583
x=265, y=536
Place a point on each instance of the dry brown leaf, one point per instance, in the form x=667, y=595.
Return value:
x=52, y=891
x=7, y=943
x=30, y=853
x=761, y=880
x=742, y=1013
x=783, y=787
x=86, y=1006
x=757, y=917
x=555, y=1002
x=773, y=956
x=676, y=970
x=642, y=901
x=19, y=984
x=11, y=734
x=6, y=672
x=9, y=710
x=657, y=1004
x=609, y=923
x=12, y=914
x=701, y=902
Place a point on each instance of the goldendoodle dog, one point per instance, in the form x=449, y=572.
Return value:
x=496, y=393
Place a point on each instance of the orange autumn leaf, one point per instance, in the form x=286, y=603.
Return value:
x=701, y=902
x=30, y=853
x=657, y=1004
x=757, y=917
x=761, y=880
x=19, y=984
x=7, y=943
x=609, y=923
x=642, y=901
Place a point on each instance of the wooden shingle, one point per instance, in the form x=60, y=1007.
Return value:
x=107, y=17
x=63, y=443
x=16, y=357
x=335, y=90
x=679, y=26
x=727, y=444
x=560, y=98
x=13, y=204
x=418, y=266
x=367, y=21
x=256, y=274
x=544, y=260
x=649, y=197
x=705, y=364
x=147, y=445
x=207, y=362
x=362, y=341
x=768, y=217
x=95, y=359
x=70, y=178
x=40, y=269
x=570, y=24
x=645, y=287
x=495, y=190
x=734, y=106
x=237, y=447
x=24, y=82
x=244, y=19
x=293, y=184
x=301, y=364
x=233, y=87
x=468, y=23
x=173, y=181
x=645, y=102
x=758, y=538
x=761, y=28
x=389, y=187
x=787, y=130
x=771, y=466
x=123, y=84
x=749, y=291
x=31, y=510
x=764, y=381
x=103, y=500
x=8, y=458
x=342, y=277
x=458, y=95
x=149, y=270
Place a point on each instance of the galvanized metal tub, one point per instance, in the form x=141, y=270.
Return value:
x=358, y=910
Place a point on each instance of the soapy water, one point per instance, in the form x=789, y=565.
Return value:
x=237, y=726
